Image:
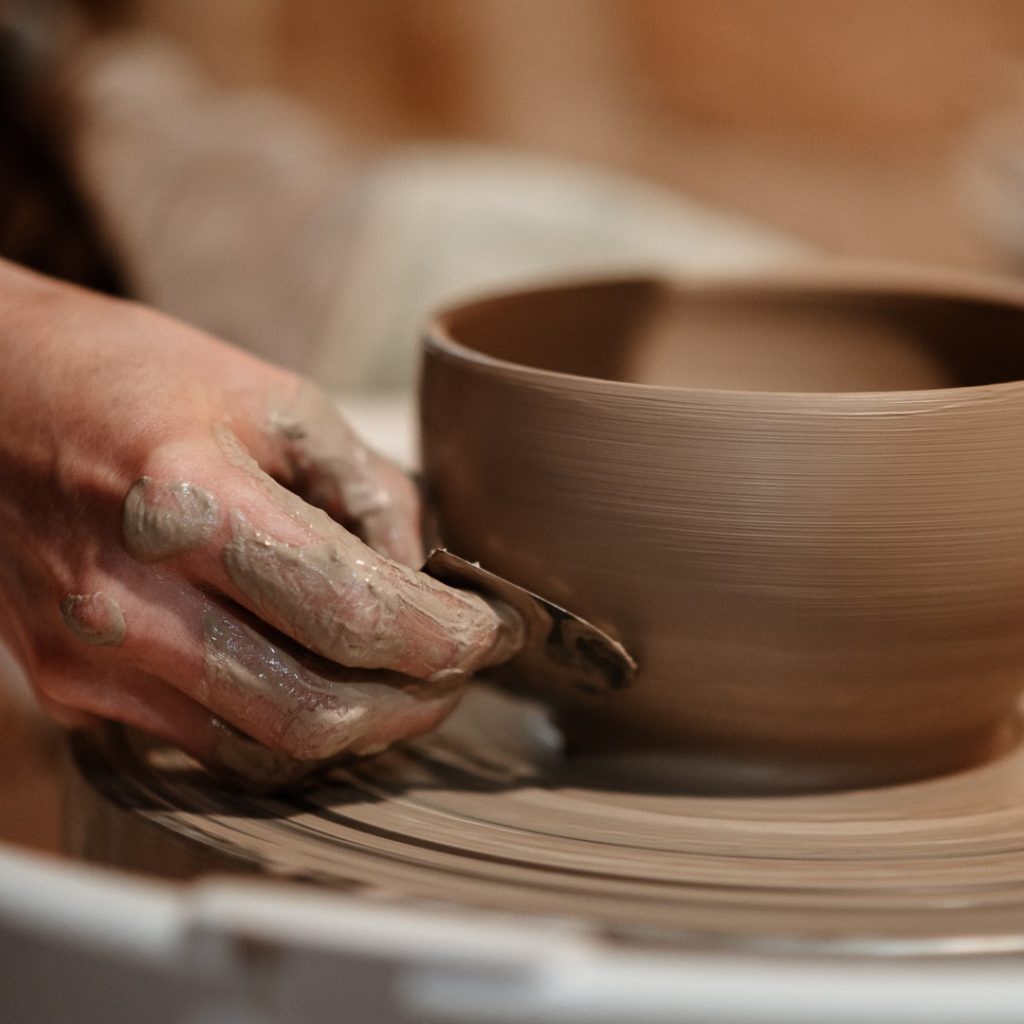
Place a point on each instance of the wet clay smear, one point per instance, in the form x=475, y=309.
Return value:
x=160, y=520
x=343, y=601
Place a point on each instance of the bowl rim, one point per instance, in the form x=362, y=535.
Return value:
x=836, y=276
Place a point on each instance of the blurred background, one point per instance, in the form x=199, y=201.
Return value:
x=845, y=122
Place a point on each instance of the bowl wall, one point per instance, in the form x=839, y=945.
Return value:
x=820, y=585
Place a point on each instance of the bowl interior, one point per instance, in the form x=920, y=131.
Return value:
x=752, y=336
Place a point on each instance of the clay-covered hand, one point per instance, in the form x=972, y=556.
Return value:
x=193, y=542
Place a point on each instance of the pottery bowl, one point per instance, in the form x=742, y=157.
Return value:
x=797, y=499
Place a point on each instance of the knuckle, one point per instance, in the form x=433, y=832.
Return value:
x=166, y=514
x=95, y=618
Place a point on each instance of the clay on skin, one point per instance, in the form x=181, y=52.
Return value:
x=94, y=618
x=249, y=762
x=164, y=519
x=312, y=714
x=301, y=511
x=342, y=601
x=307, y=510
x=307, y=513
x=329, y=457
x=333, y=469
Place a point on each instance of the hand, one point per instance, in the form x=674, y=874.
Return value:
x=192, y=541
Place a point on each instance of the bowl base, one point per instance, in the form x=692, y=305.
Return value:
x=638, y=764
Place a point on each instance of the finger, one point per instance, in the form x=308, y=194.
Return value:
x=288, y=700
x=297, y=569
x=146, y=702
x=328, y=464
x=305, y=706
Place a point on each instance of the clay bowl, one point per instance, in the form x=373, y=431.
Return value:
x=798, y=500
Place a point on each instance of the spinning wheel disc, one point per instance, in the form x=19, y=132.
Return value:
x=483, y=814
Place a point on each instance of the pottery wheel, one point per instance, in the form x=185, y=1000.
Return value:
x=485, y=814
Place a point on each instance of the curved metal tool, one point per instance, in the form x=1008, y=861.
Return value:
x=563, y=656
